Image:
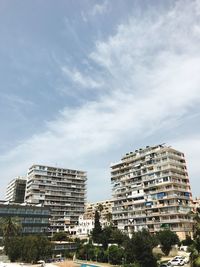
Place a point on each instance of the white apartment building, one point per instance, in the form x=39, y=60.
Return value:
x=151, y=190
x=85, y=226
x=15, y=190
x=63, y=190
x=83, y=229
x=86, y=221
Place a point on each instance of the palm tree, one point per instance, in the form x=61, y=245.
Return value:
x=10, y=227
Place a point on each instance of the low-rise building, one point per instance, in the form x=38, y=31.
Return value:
x=86, y=221
x=62, y=248
x=86, y=225
x=34, y=219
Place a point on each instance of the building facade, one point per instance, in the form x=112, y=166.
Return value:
x=60, y=248
x=33, y=219
x=63, y=190
x=15, y=191
x=86, y=225
x=151, y=190
x=86, y=221
x=104, y=207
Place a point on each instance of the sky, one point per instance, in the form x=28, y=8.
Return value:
x=84, y=82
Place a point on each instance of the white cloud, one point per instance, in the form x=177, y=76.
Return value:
x=96, y=10
x=151, y=80
x=80, y=78
x=99, y=8
x=16, y=101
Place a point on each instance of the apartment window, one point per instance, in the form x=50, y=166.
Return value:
x=165, y=179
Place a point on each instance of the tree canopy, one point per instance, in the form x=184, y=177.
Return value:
x=97, y=231
x=167, y=239
x=11, y=227
x=60, y=236
x=141, y=245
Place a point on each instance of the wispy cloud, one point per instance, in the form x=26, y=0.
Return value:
x=95, y=10
x=99, y=8
x=16, y=101
x=150, y=74
x=80, y=78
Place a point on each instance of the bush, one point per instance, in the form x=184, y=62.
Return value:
x=14, y=249
x=28, y=248
x=115, y=254
x=187, y=242
x=142, y=245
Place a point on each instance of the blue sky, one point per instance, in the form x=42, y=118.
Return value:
x=84, y=82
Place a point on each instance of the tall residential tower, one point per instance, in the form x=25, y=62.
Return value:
x=16, y=190
x=151, y=190
x=63, y=190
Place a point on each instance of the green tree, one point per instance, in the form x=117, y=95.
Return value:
x=100, y=208
x=96, y=252
x=44, y=247
x=87, y=252
x=142, y=244
x=60, y=236
x=105, y=237
x=25, y=248
x=80, y=251
x=108, y=217
x=97, y=231
x=116, y=254
x=35, y=248
x=10, y=227
x=14, y=249
x=111, y=235
x=128, y=245
x=194, y=256
x=29, y=249
x=117, y=236
x=102, y=255
x=187, y=242
x=167, y=239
